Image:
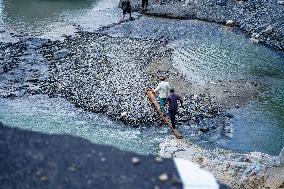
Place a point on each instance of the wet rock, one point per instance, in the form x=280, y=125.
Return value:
x=254, y=40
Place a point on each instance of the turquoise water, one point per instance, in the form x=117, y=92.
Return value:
x=57, y=116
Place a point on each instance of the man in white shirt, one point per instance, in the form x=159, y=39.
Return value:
x=163, y=90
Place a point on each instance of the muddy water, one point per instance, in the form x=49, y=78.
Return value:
x=202, y=51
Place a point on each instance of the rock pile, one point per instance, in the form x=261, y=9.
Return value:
x=109, y=75
x=97, y=72
x=245, y=171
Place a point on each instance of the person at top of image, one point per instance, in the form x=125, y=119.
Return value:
x=144, y=5
x=126, y=8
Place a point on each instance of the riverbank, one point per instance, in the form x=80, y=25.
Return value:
x=261, y=20
x=239, y=171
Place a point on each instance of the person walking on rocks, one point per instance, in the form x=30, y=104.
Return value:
x=172, y=101
x=144, y=5
x=163, y=90
x=126, y=8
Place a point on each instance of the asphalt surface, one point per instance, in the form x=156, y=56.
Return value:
x=35, y=160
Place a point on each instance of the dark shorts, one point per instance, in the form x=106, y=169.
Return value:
x=126, y=11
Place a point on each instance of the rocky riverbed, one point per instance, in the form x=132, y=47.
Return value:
x=101, y=74
x=261, y=20
x=109, y=74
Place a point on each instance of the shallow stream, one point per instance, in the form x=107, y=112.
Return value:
x=202, y=51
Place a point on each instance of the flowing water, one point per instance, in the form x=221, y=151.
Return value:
x=57, y=116
x=202, y=51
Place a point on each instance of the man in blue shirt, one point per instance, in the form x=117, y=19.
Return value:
x=172, y=100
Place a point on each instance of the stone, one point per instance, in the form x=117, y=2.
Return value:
x=254, y=40
x=163, y=177
x=230, y=23
x=135, y=160
x=123, y=114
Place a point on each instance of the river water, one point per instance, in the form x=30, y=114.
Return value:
x=202, y=51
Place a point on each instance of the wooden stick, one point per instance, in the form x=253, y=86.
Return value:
x=152, y=98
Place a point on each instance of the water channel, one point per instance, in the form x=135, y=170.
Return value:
x=202, y=51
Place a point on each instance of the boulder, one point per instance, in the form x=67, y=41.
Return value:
x=230, y=22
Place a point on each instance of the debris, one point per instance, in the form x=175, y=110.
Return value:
x=163, y=177
x=135, y=160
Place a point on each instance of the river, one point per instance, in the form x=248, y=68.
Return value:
x=202, y=51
